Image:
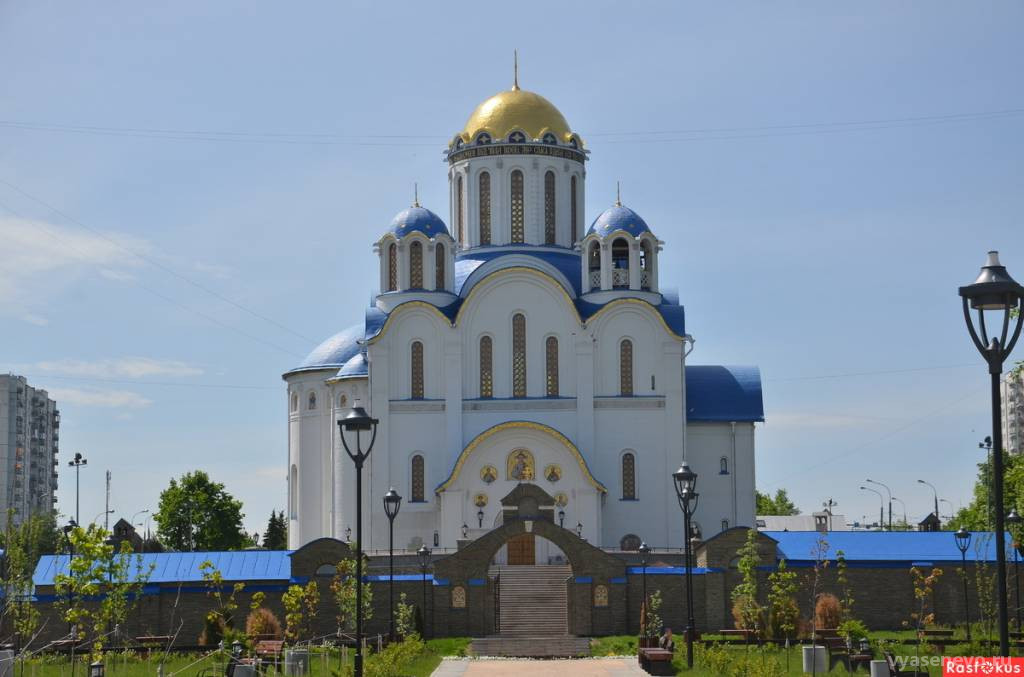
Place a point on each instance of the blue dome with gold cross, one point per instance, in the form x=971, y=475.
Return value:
x=418, y=219
x=616, y=218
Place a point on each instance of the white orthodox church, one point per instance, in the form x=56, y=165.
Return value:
x=518, y=345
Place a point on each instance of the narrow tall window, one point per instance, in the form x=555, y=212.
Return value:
x=572, y=210
x=518, y=355
x=551, y=366
x=416, y=266
x=485, y=208
x=517, y=207
x=392, y=267
x=646, y=264
x=417, y=370
x=312, y=401
x=626, y=368
x=439, y=267
x=416, y=479
x=458, y=210
x=293, y=493
x=549, y=207
x=628, y=477
x=620, y=263
x=486, y=368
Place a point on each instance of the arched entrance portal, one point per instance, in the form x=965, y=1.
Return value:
x=527, y=501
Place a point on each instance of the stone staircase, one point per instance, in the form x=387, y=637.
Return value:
x=533, y=615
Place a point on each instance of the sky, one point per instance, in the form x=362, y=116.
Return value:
x=189, y=194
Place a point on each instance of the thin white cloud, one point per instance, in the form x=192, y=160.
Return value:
x=116, y=275
x=121, y=399
x=122, y=367
x=37, y=320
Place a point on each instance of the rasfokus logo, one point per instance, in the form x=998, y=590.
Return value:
x=982, y=665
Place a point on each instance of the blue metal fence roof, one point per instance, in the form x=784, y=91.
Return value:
x=174, y=567
x=723, y=393
x=886, y=546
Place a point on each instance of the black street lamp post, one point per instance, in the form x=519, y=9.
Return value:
x=686, y=491
x=480, y=518
x=1014, y=520
x=358, y=421
x=77, y=462
x=561, y=518
x=644, y=551
x=995, y=290
x=881, y=506
x=424, y=554
x=392, y=502
x=935, y=495
x=963, y=541
x=579, y=530
x=887, y=491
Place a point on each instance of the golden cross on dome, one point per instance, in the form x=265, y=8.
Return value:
x=618, y=195
x=515, y=70
x=415, y=194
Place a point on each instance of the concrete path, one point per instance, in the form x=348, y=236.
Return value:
x=578, y=667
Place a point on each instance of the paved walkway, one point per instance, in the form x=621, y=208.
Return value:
x=579, y=667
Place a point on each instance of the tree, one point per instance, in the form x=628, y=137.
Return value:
x=343, y=586
x=746, y=609
x=196, y=514
x=979, y=515
x=276, y=535
x=779, y=505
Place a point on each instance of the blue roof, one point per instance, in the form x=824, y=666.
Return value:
x=174, y=567
x=567, y=262
x=335, y=351
x=418, y=219
x=720, y=393
x=357, y=366
x=616, y=218
x=885, y=546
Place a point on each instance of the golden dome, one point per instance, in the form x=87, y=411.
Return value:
x=516, y=109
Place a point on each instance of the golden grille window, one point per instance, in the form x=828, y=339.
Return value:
x=439, y=267
x=417, y=370
x=551, y=366
x=517, y=207
x=485, y=208
x=572, y=209
x=392, y=267
x=416, y=476
x=549, y=208
x=518, y=355
x=486, y=368
x=416, y=265
x=458, y=209
x=626, y=368
x=628, y=477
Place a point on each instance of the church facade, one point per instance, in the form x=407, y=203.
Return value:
x=517, y=345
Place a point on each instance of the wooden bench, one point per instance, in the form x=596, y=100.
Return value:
x=656, y=661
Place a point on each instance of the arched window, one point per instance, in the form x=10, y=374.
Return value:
x=725, y=525
x=518, y=355
x=485, y=208
x=646, y=264
x=343, y=400
x=549, y=207
x=417, y=370
x=626, y=368
x=416, y=479
x=628, y=477
x=549, y=139
x=416, y=265
x=551, y=366
x=620, y=263
x=486, y=368
x=483, y=137
x=594, y=264
x=630, y=542
x=459, y=235
x=572, y=210
x=392, y=267
x=295, y=402
x=439, y=267
x=312, y=401
x=517, y=137
x=293, y=493
x=723, y=466
x=517, y=206
x=573, y=143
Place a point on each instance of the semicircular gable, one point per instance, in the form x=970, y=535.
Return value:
x=513, y=261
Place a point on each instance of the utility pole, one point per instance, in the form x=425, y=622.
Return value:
x=77, y=462
x=106, y=515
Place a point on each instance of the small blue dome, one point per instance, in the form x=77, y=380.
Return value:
x=618, y=217
x=418, y=219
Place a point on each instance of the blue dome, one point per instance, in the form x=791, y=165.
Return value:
x=418, y=219
x=618, y=217
x=335, y=351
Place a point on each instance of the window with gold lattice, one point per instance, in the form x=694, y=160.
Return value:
x=486, y=368
x=416, y=266
x=572, y=210
x=626, y=368
x=417, y=481
x=485, y=208
x=549, y=208
x=518, y=228
x=439, y=267
x=518, y=355
x=459, y=235
x=417, y=370
x=551, y=366
x=628, y=477
x=392, y=267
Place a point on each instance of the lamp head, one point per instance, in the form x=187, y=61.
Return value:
x=424, y=556
x=465, y=530
x=392, y=502
x=1013, y=518
x=963, y=539
x=644, y=551
x=357, y=419
x=994, y=289
x=684, y=479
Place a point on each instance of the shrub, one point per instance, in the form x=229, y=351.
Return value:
x=827, y=612
x=213, y=631
x=852, y=630
x=263, y=624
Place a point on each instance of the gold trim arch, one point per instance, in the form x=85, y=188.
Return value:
x=512, y=425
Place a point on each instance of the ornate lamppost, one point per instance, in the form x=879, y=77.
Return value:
x=480, y=518
x=357, y=422
x=963, y=541
x=77, y=462
x=424, y=556
x=644, y=551
x=392, y=502
x=686, y=492
x=996, y=291
x=1014, y=520
x=561, y=518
